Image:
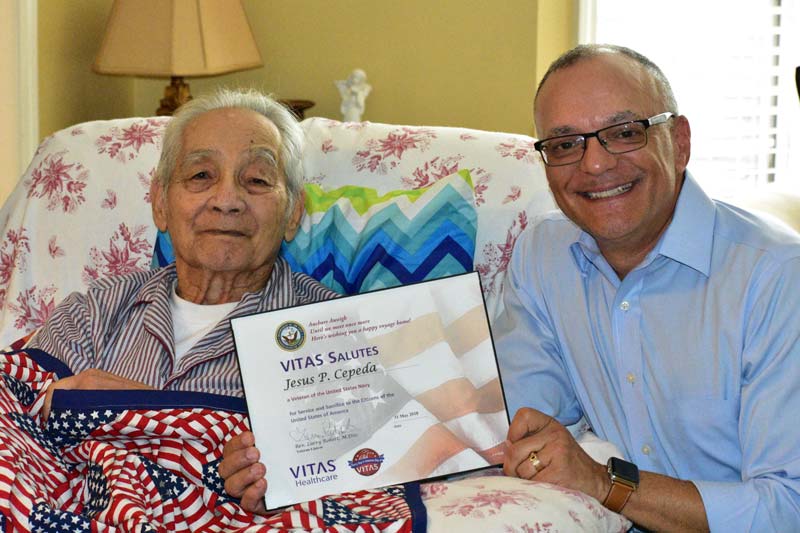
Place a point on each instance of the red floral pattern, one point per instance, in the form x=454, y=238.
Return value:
x=546, y=527
x=433, y=489
x=489, y=502
x=328, y=147
x=128, y=251
x=357, y=126
x=13, y=256
x=480, y=182
x=54, y=249
x=498, y=256
x=522, y=150
x=33, y=306
x=381, y=155
x=61, y=183
x=514, y=195
x=124, y=144
x=110, y=201
x=432, y=171
x=145, y=180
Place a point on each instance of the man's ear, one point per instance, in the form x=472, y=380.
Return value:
x=683, y=143
x=293, y=224
x=158, y=203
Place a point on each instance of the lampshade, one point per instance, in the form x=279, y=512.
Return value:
x=177, y=38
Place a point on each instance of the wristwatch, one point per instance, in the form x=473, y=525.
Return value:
x=624, y=478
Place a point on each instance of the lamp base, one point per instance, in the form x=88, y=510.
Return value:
x=175, y=95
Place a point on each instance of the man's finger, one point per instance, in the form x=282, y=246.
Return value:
x=238, y=483
x=527, y=422
x=239, y=442
x=234, y=462
x=253, y=498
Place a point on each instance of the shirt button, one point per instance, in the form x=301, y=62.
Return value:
x=625, y=305
x=631, y=378
x=646, y=449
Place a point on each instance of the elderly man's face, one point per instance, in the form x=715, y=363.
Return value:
x=226, y=206
x=625, y=201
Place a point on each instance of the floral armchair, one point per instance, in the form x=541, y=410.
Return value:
x=82, y=211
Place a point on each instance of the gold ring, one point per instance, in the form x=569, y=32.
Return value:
x=536, y=462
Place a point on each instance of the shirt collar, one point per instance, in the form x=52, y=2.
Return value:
x=159, y=287
x=690, y=235
x=687, y=240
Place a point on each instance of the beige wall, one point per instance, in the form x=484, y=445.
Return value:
x=9, y=98
x=469, y=63
x=69, y=92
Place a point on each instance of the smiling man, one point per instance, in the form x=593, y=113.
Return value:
x=228, y=188
x=665, y=319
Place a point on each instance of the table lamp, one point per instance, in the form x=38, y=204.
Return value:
x=176, y=39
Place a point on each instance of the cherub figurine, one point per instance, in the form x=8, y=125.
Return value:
x=354, y=91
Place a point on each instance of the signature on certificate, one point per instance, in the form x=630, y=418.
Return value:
x=331, y=430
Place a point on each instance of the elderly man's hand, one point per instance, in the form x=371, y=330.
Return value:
x=243, y=474
x=91, y=379
x=561, y=460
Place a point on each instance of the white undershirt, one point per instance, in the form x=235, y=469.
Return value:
x=191, y=322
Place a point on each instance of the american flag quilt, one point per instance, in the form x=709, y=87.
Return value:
x=146, y=461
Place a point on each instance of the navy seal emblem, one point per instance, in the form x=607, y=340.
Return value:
x=290, y=336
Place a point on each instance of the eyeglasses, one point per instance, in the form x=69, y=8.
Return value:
x=616, y=139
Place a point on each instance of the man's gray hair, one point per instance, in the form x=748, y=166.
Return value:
x=292, y=136
x=586, y=51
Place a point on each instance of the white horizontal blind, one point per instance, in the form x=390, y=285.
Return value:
x=731, y=64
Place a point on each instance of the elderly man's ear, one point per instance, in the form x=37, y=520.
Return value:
x=157, y=202
x=293, y=224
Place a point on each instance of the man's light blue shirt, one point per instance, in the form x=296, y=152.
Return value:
x=690, y=364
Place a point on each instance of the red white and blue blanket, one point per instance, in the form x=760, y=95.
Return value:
x=142, y=461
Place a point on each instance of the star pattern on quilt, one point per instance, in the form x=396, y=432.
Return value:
x=29, y=425
x=213, y=481
x=70, y=426
x=97, y=485
x=334, y=512
x=44, y=519
x=169, y=484
x=22, y=391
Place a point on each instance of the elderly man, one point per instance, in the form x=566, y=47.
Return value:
x=228, y=188
x=666, y=319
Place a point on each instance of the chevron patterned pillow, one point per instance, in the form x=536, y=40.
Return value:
x=353, y=240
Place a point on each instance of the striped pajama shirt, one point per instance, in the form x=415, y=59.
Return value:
x=123, y=325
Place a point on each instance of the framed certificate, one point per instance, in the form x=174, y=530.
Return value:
x=375, y=389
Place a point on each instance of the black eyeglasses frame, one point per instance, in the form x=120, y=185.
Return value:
x=660, y=118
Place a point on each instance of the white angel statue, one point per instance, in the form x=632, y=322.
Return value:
x=354, y=91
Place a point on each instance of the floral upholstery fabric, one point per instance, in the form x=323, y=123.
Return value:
x=495, y=503
x=79, y=212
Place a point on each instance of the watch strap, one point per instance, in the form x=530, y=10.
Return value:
x=617, y=496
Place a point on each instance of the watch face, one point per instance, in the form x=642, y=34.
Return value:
x=623, y=469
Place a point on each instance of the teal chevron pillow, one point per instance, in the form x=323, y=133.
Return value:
x=354, y=240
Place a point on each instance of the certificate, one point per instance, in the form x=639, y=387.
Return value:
x=374, y=389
